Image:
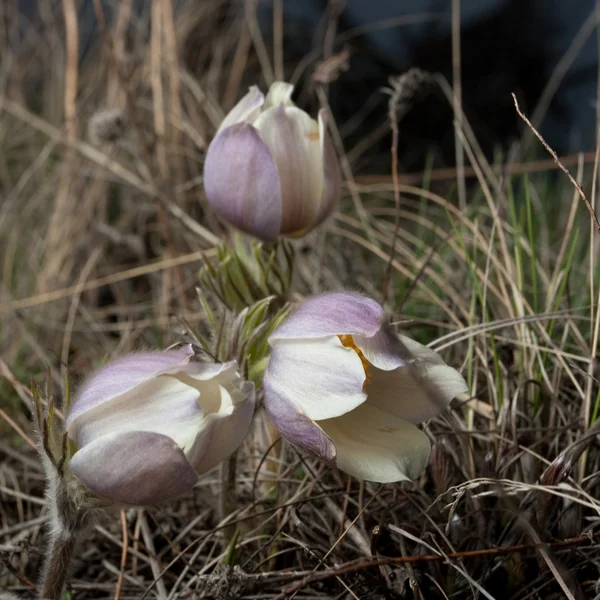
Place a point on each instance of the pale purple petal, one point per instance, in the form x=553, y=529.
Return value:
x=321, y=378
x=223, y=432
x=295, y=427
x=331, y=169
x=376, y=446
x=162, y=405
x=246, y=110
x=332, y=314
x=120, y=375
x=293, y=138
x=242, y=182
x=383, y=350
x=135, y=468
x=418, y=391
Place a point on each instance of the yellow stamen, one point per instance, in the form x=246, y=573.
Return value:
x=348, y=342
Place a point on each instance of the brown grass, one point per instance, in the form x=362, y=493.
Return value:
x=100, y=247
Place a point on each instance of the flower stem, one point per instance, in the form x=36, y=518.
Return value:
x=228, y=481
x=58, y=559
x=68, y=521
x=70, y=507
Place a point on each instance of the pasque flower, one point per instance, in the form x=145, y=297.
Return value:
x=145, y=425
x=272, y=169
x=342, y=386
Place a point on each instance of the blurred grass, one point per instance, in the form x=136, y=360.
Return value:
x=101, y=242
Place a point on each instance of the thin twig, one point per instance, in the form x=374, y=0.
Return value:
x=123, y=555
x=360, y=565
x=156, y=266
x=457, y=105
x=560, y=165
x=161, y=588
x=278, y=39
x=449, y=173
x=393, y=117
x=250, y=8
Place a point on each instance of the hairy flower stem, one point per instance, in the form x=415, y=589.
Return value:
x=228, y=480
x=68, y=521
x=58, y=559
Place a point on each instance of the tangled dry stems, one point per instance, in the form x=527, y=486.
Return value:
x=102, y=239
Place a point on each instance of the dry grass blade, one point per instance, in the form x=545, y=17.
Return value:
x=560, y=165
x=499, y=275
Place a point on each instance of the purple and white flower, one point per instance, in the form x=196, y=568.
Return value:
x=271, y=169
x=343, y=387
x=147, y=424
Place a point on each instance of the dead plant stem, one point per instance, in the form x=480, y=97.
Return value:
x=360, y=565
x=457, y=105
x=560, y=165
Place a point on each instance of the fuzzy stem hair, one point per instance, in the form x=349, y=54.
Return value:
x=69, y=518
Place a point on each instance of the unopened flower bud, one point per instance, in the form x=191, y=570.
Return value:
x=343, y=387
x=145, y=425
x=271, y=169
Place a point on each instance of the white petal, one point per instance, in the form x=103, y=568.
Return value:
x=321, y=378
x=383, y=350
x=223, y=431
x=246, y=110
x=296, y=427
x=293, y=138
x=279, y=93
x=331, y=172
x=435, y=374
x=418, y=391
x=162, y=405
x=220, y=385
x=218, y=371
x=376, y=446
x=120, y=375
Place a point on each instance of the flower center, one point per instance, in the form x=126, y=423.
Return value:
x=348, y=342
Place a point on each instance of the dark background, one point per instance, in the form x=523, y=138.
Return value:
x=506, y=46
